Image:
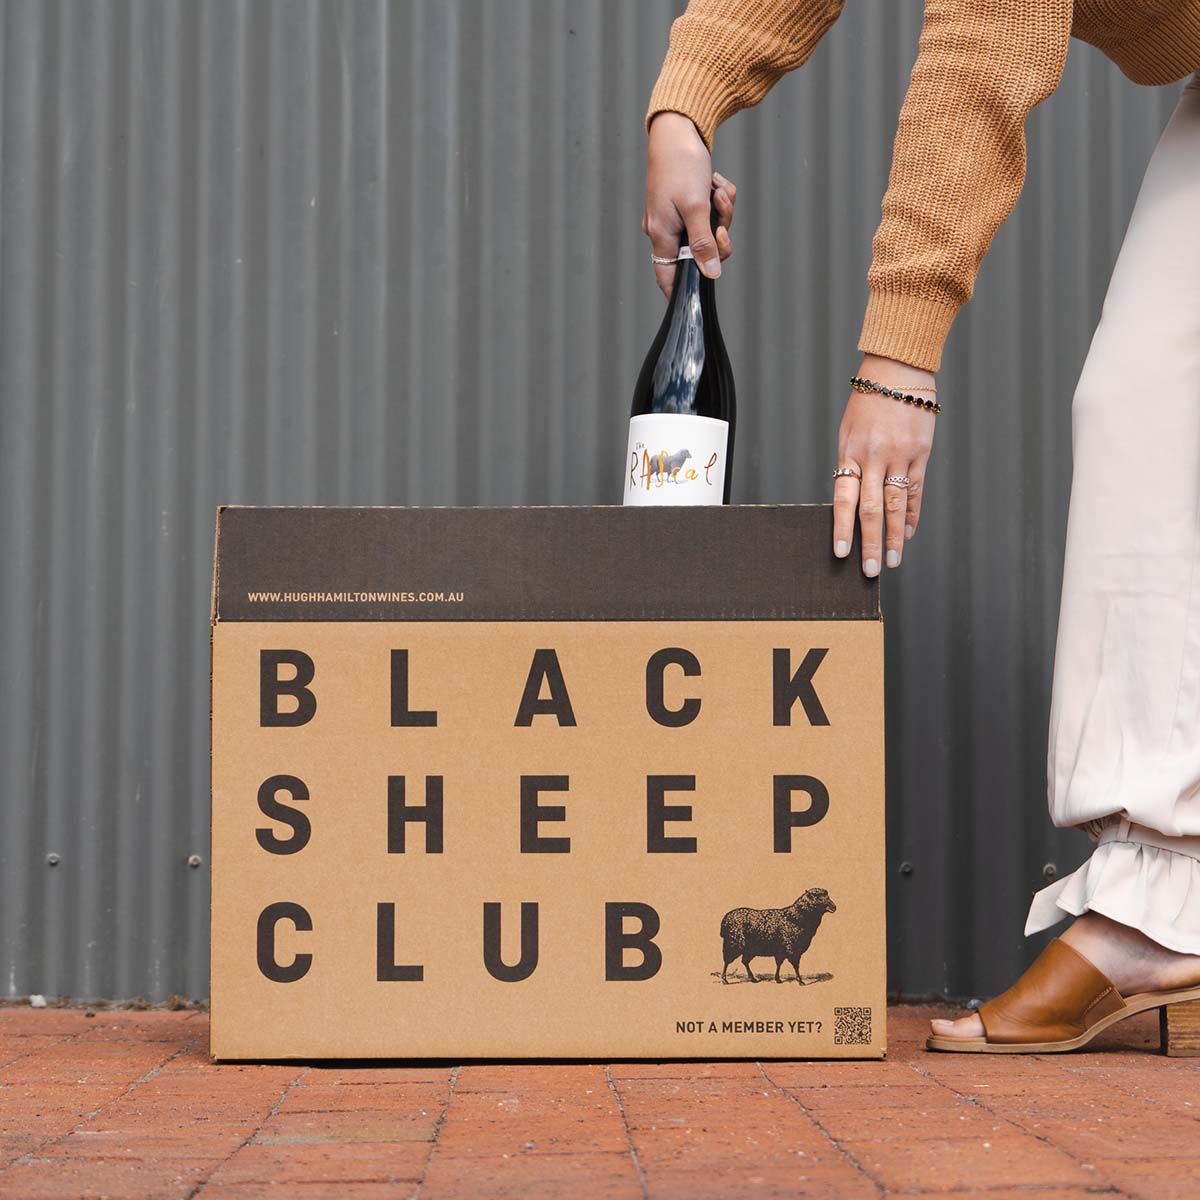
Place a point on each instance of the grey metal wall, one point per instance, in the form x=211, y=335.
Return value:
x=333, y=252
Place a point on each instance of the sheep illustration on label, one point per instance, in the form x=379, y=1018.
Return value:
x=663, y=465
x=783, y=934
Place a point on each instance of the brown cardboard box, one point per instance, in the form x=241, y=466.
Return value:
x=508, y=783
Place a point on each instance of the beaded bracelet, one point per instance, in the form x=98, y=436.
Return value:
x=869, y=385
x=921, y=387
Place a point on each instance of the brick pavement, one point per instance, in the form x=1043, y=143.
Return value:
x=125, y=1104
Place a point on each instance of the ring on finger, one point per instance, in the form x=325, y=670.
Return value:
x=848, y=471
x=898, y=480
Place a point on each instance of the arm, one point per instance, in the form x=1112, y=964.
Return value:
x=958, y=164
x=725, y=55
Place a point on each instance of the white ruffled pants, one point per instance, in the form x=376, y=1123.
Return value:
x=1124, y=744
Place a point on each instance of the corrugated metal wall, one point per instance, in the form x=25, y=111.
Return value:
x=310, y=251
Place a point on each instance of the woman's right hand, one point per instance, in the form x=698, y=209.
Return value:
x=679, y=181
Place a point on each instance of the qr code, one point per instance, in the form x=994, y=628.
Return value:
x=852, y=1026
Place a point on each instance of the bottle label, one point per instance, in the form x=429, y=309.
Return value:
x=675, y=458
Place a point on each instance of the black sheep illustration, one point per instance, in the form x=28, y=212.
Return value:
x=779, y=933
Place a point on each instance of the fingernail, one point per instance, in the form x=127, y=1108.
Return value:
x=893, y=557
x=719, y=177
x=908, y=531
x=871, y=566
x=712, y=268
x=841, y=548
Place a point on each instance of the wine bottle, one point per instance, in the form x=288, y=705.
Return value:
x=682, y=420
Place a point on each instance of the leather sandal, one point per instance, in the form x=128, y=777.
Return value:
x=1061, y=1003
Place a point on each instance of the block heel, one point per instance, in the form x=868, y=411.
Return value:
x=1179, y=1028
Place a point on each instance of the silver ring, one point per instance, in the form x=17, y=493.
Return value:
x=899, y=480
x=847, y=471
x=659, y=261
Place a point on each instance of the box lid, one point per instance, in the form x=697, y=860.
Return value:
x=535, y=563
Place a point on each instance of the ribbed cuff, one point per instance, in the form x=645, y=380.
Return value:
x=907, y=328
x=691, y=88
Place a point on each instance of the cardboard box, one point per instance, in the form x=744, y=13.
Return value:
x=519, y=782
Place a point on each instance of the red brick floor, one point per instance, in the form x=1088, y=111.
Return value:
x=126, y=1104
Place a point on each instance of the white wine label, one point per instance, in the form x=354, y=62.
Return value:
x=675, y=458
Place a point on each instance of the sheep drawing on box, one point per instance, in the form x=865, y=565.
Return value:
x=783, y=934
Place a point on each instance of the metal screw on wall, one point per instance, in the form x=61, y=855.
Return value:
x=194, y=860
x=1049, y=871
x=906, y=868
x=52, y=858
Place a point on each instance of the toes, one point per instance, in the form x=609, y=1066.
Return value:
x=964, y=1027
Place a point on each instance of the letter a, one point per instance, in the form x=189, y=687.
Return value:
x=557, y=704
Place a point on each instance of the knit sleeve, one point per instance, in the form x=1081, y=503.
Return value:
x=725, y=55
x=958, y=163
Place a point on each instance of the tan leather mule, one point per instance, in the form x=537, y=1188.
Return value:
x=1061, y=1003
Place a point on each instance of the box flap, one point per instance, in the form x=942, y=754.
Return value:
x=567, y=563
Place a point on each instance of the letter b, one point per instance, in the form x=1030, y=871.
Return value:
x=271, y=688
x=617, y=941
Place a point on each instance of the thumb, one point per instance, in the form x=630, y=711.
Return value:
x=702, y=242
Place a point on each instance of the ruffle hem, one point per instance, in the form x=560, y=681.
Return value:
x=1151, y=888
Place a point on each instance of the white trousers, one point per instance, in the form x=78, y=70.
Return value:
x=1124, y=748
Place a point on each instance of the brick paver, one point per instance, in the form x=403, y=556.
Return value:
x=125, y=1104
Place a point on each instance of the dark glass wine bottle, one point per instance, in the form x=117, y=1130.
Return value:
x=682, y=419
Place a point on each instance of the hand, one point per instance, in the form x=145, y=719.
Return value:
x=679, y=178
x=882, y=436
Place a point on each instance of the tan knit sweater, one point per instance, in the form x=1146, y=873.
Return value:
x=958, y=161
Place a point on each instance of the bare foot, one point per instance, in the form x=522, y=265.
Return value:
x=1133, y=961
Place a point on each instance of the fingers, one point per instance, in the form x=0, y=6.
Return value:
x=870, y=517
x=879, y=506
x=895, y=508
x=724, y=197
x=664, y=242
x=887, y=514
x=665, y=246
x=916, y=490
x=727, y=189
x=845, y=505
x=701, y=239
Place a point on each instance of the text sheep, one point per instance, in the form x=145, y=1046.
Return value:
x=783, y=934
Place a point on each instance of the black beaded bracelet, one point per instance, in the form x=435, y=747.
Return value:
x=869, y=385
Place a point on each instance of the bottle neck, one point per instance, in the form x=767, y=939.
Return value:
x=690, y=280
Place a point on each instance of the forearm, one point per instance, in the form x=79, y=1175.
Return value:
x=725, y=55
x=958, y=164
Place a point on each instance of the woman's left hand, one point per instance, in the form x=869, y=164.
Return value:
x=882, y=436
